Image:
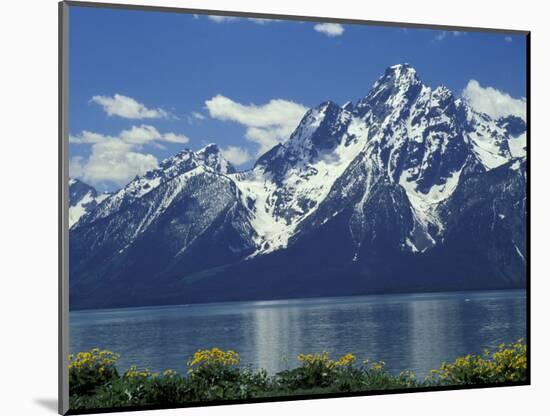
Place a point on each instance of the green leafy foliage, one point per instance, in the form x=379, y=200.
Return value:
x=216, y=375
x=507, y=364
x=91, y=369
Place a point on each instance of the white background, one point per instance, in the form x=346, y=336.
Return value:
x=28, y=204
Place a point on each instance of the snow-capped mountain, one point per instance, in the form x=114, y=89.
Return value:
x=83, y=199
x=409, y=188
x=209, y=159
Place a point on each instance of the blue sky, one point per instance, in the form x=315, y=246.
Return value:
x=143, y=85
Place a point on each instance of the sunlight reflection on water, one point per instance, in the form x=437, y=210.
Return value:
x=410, y=331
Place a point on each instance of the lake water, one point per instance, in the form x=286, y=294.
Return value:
x=409, y=331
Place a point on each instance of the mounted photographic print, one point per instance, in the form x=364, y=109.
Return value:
x=263, y=208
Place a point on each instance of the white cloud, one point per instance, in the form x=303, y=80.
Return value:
x=75, y=167
x=126, y=107
x=262, y=21
x=267, y=137
x=275, y=112
x=443, y=34
x=89, y=137
x=329, y=29
x=222, y=19
x=492, y=101
x=135, y=135
x=266, y=124
x=140, y=134
x=440, y=36
x=111, y=161
x=508, y=38
x=236, y=155
x=175, y=138
x=197, y=115
x=117, y=159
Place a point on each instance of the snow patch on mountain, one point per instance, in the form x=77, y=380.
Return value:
x=425, y=204
x=305, y=183
x=82, y=207
x=83, y=199
x=174, y=187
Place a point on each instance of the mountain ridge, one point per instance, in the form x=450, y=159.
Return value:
x=386, y=173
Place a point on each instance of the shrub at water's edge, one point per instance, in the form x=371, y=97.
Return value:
x=507, y=364
x=90, y=370
x=215, y=374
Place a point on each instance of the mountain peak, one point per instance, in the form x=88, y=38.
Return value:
x=398, y=75
x=83, y=198
x=403, y=69
x=398, y=85
x=442, y=91
x=211, y=155
x=348, y=106
x=328, y=104
x=208, y=149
